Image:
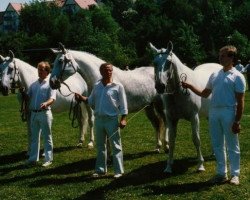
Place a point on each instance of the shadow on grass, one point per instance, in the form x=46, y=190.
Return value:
x=149, y=174
x=17, y=157
x=143, y=175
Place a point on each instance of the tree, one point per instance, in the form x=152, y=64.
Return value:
x=187, y=45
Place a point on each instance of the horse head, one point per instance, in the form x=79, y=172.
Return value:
x=164, y=71
x=64, y=66
x=10, y=75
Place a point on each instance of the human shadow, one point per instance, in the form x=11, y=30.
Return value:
x=17, y=157
x=148, y=174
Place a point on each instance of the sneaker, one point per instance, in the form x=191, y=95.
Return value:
x=80, y=144
x=235, y=180
x=46, y=164
x=98, y=174
x=218, y=179
x=117, y=176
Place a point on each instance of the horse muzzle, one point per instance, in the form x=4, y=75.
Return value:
x=5, y=91
x=55, y=83
x=160, y=88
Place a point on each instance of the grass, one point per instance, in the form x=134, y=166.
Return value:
x=70, y=175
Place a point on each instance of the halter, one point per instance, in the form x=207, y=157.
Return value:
x=65, y=62
x=170, y=75
x=16, y=74
x=24, y=103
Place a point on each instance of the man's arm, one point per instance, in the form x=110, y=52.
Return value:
x=239, y=111
x=47, y=103
x=203, y=93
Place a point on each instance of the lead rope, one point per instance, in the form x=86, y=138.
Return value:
x=128, y=120
x=24, y=105
x=75, y=108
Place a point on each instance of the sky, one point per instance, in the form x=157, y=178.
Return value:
x=4, y=3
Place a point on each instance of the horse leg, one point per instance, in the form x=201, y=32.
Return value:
x=195, y=122
x=172, y=124
x=156, y=123
x=82, y=120
x=91, y=126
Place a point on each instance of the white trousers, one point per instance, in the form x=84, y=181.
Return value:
x=107, y=127
x=41, y=122
x=224, y=140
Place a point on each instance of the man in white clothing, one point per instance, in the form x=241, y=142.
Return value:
x=41, y=96
x=227, y=88
x=108, y=100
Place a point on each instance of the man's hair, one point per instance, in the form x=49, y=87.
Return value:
x=104, y=65
x=231, y=52
x=46, y=64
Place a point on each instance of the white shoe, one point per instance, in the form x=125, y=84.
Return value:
x=98, y=174
x=235, y=180
x=46, y=164
x=117, y=176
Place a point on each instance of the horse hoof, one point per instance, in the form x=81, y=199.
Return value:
x=168, y=171
x=157, y=150
x=201, y=169
x=79, y=144
x=90, y=145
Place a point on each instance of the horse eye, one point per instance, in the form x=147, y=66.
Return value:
x=10, y=70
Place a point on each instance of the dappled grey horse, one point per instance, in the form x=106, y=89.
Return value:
x=180, y=103
x=138, y=84
x=19, y=72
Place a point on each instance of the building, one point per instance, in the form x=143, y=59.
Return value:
x=72, y=6
x=9, y=19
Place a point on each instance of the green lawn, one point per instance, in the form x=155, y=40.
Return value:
x=70, y=175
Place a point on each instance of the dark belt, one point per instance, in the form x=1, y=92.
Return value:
x=36, y=111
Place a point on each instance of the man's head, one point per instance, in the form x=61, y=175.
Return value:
x=106, y=70
x=228, y=55
x=43, y=69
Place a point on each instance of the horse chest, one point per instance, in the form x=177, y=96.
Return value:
x=179, y=107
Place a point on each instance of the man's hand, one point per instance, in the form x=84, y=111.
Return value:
x=123, y=123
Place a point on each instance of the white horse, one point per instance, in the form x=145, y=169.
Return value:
x=180, y=103
x=17, y=71
x=138, y=83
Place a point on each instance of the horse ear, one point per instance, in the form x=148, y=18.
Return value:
x=153, y=47
x=1, y=59
x=55, y=51
x=61, y=46
x=11, y=54
x=170, y=46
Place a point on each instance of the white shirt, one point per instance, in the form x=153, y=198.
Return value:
x=39, y=93
x=224, y=85
x=109, y=100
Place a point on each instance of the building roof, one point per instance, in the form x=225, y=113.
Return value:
x=16, y=6
x=59, y=3
x=85, y=4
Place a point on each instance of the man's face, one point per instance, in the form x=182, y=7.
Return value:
x=225, y=58
x=107, y=71
x=42, y=73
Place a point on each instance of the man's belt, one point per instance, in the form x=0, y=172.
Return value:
x=36, y=111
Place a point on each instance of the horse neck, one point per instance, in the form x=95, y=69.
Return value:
x=28, y=74
x=181, y=69
x=88, y=67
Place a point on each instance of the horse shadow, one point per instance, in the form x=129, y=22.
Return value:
x=148, y=174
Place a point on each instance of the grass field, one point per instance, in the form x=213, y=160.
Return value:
x=70, y=175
